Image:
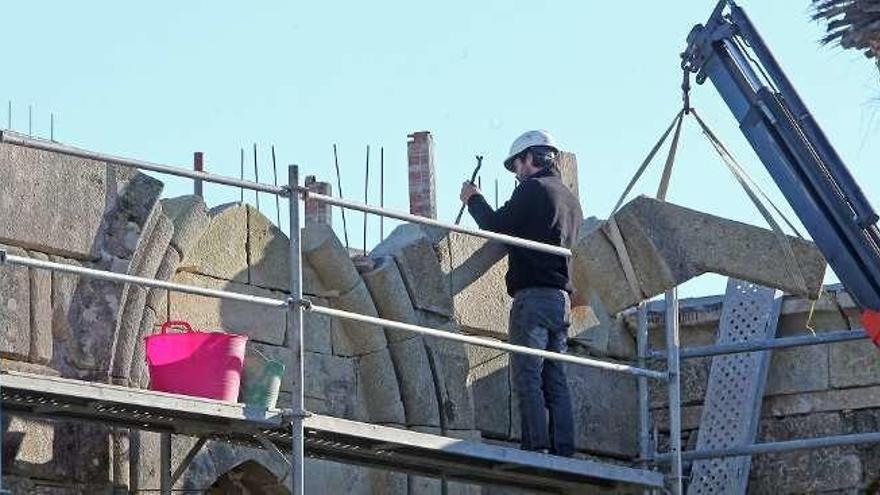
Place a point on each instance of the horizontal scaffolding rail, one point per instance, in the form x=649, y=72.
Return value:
x=767, y=344
x=147, y=282
x=507, y=239
x=484, y=342
x=283, y=304
x=17, y=139
x=771, y=447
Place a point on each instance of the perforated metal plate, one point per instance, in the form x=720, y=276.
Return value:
x=732, y=404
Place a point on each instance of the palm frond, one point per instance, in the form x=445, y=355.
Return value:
x=852, y=24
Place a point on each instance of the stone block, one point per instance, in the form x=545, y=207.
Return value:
x=259, y=323
x=588, y=331
x=475, y=271
x=64, y=287
x=318, y=330
x=132, y=216
x=329, y=258
x=330, y=478
x=799, y=315
x=420, y=267
x=268, y=252
x=227, y=457
x=449, y=363
x=92, y=320
x=669, y=245
x=30, y=181
x=354, y=338
x=853, y=364
x=694, y=381
x=152, y=246
x=221, y=251
x=189, y=216
x=138, y=375
x=606, y=410
x=416, y=382
x=390, y=296
x=41, y=312
x=378, y=389
x=332, y=379
x=157, y=299
x=128, y=332
x=808, y=471
x=822, y=401
x=33, y=449
x=799, y=369
x=312, y=284
x=15, y=309
x=490, y=385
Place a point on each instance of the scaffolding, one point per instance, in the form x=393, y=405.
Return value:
x=293, y=432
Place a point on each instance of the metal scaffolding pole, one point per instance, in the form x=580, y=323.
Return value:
x=642, y=350
x=295, y=321
x=766, y=344
x=674, y=371
x=165, y=463
x=783, y=446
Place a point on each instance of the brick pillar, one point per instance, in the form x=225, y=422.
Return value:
x=422, y=191
x=317, y=212
x=568, y=169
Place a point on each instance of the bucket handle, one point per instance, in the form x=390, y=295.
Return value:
x=176, y=323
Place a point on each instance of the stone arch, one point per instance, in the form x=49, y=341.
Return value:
x=247, y=478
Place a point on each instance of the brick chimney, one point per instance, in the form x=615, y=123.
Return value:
x=422, y=191
x=318, y=212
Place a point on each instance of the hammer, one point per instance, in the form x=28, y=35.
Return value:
x=473, y=178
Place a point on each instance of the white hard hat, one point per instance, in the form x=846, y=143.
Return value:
x=528, y=139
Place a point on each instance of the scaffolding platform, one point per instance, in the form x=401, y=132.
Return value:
x=326, y=437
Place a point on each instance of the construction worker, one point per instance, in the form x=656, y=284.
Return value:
x=542, y=209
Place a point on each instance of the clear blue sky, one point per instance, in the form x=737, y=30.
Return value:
x=161, y=79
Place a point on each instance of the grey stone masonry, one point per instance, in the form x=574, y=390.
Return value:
x=668, y=245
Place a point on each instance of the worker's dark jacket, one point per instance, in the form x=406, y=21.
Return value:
x=542, y=209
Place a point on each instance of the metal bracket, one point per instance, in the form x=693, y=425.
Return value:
x=301, y=191
x=287, y=415
x=271, y=447
x=184, y=464
x=305, y=303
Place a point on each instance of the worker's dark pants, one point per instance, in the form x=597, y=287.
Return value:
x=539, y=319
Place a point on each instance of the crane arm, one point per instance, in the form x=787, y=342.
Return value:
x=728, y=51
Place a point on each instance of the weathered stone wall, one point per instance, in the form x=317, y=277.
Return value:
x=75, y=327
x=811, y=391
x=61, y=324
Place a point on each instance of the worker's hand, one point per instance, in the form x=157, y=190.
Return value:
x=468, y=189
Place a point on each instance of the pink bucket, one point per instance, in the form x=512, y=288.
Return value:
x=203, y=364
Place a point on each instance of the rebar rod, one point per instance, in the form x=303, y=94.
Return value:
x=366, y=196
x=256, y=176
x=339, y=188
x=275, y=183
x=382, y=192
